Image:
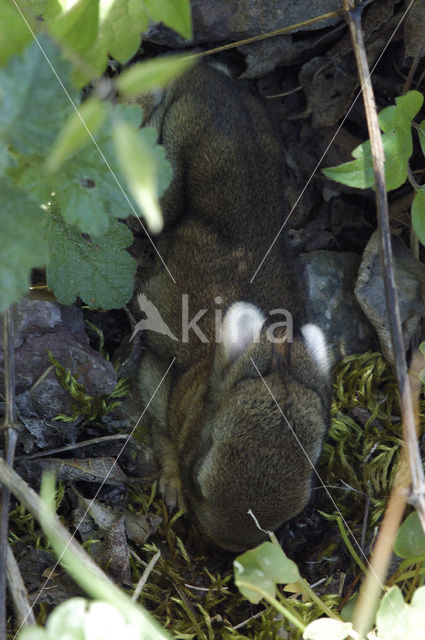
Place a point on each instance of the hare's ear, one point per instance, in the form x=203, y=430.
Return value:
x=241, y=327
x=316, y=346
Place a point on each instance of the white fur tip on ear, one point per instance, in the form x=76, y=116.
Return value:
x=221, y=67
x=316, y=345
x=241, y=327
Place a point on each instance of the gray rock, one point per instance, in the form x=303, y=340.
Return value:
x=227, y=20
x=331, y=277
x=42, y=327
x=370, y=293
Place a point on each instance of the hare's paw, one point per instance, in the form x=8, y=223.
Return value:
x=170, y=487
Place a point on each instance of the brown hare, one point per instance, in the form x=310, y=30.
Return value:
x=238, y=421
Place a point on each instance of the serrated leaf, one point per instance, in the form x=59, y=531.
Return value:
x=418, y=214
x=98, y=270
x=327, y=629
x=14, y=33
x=147, y=76
x=77, y=28
x=139, y=166
x=33, y=107
x=410, y=538
x=395, y=121
x=175, y=14
x=397, y=620
x=23, y=248
x=87, y=186
x=121, y=24
x=77, y=131
x=259, y=570
x=421, y=134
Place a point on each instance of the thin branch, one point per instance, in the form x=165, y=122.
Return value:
x=145, y=576
x=393, y=310
x=414, y=66
x=10, y=428
x=364, y=613
x=270, y=34
x=411, y=469
x=23, y=609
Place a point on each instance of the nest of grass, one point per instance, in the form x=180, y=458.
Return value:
x=190, y=590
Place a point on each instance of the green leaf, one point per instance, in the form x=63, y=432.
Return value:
x=67, y=620
x=33, y=107
x=395, y=121
x=77, y=28
x=103, y=621
x=77, y=131
x=327, y=629
x=98, y=270
x=32, y=632
x=41, y=9
x=421, y=134
x=348, y=609
x=32, y=180
x=259, y=570
x=4, y=159
x=409, y=105
x=151, y=75
x=138, y=162
x=418, y=214
x=14, y=33
x=173, y=13
x=357, y=173
x=397, y=620
x=410, y=538
x=121, y=24
x=23, y=248
x=88, y=187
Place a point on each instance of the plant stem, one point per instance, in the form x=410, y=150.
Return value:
x=350, y=547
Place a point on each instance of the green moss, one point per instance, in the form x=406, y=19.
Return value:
x=92, y=408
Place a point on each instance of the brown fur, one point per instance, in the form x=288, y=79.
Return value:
x=223, y=444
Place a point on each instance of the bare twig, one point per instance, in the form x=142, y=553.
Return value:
x=414, y=241
x=270, y=34
x=10, y=429
x=410, y=469
x=414, y=66
x=415, y=185
x=75, y=445
x=145, y=576
x=370, y=591
x=17, y=590
x=393, y=310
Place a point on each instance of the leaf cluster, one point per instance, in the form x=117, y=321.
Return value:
x=396, y=122
x=71, y=170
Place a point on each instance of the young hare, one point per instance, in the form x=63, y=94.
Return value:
x=238, y=421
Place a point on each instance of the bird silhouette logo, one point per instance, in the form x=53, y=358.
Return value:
x=153, y=321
